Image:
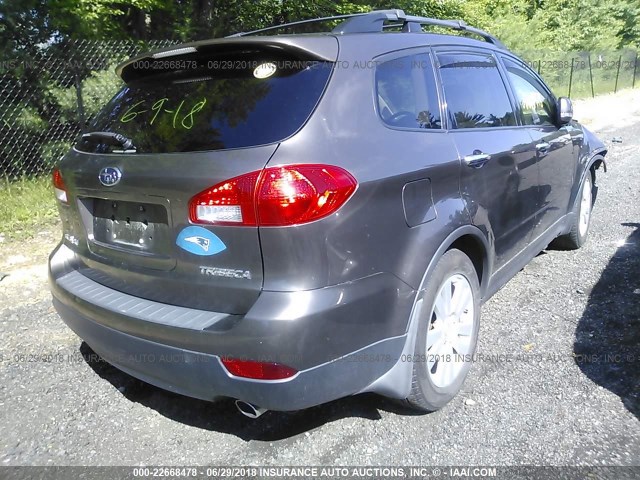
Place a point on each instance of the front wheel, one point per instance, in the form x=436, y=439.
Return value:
x=448, y=315
x=577, y=236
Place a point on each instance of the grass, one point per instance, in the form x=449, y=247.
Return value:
x=27, y=206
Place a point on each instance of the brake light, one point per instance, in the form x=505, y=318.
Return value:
x=59, y=187
x=275, y=196
x=257, y=370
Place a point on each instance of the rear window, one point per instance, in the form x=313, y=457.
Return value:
x=475, y=93
x=406, y=93
x=221, y=103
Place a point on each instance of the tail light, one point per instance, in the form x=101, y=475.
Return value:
x=59, y=187
x=228, y=203
x=257, y=370
x=275, y=196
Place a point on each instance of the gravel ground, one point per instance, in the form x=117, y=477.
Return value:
x=556, y=384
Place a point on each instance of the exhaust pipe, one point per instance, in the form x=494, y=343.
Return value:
x=249, y=409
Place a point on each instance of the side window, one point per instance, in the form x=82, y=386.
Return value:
x=475, y=93
x=538, y=107
x=406, y=93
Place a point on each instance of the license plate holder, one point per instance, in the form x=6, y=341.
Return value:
x=137, y=226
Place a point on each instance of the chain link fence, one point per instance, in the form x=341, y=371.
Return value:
x=587, y=74
x=46, y=101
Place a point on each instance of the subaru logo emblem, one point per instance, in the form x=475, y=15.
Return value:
x=110, y=176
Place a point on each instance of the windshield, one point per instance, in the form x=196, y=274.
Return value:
x=230, y=104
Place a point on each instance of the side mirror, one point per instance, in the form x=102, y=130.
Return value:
x=565, y=110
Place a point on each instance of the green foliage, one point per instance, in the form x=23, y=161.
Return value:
x=523, y=24
x=577, y=25
x=97, y=18
x=427, y=8
x=26, y=206
x=96, y=90
x=67, y=101
x=37, y=107
x=558, y=25
x=26, y=119
x=51, y=152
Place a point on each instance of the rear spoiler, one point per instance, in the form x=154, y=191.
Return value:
x=312, y=47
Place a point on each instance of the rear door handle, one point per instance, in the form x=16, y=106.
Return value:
x=543, y=147
x=477, y=159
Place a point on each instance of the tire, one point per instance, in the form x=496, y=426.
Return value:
x=436, y=377
x=582, y=209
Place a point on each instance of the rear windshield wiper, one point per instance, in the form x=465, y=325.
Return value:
x=110, y=138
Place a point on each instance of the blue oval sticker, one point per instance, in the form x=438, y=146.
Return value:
x=200, y=241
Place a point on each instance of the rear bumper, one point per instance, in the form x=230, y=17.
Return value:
x=341, y=339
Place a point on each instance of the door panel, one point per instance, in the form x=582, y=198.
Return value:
x=554, y=146
x=503, y=193
x=499, y=179
x=556, y=164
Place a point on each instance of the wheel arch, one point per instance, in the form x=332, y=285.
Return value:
x=470, y=240
x=475, y=249
x=595, y=162
x=396, y=383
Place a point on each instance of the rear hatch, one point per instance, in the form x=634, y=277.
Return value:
x=189, y=118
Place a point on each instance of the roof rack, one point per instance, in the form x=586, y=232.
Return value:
x=374, y=22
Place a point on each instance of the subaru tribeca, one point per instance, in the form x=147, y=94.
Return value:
x=286, y=220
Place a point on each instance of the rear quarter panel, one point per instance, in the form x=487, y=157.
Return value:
x=369, y=234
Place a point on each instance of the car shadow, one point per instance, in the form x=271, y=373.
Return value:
x=222, y=415
x=607, y=343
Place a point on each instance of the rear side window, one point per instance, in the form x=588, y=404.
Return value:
x=537, y=106
x=221, y=103
x=474, y=91
x=406, y=93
